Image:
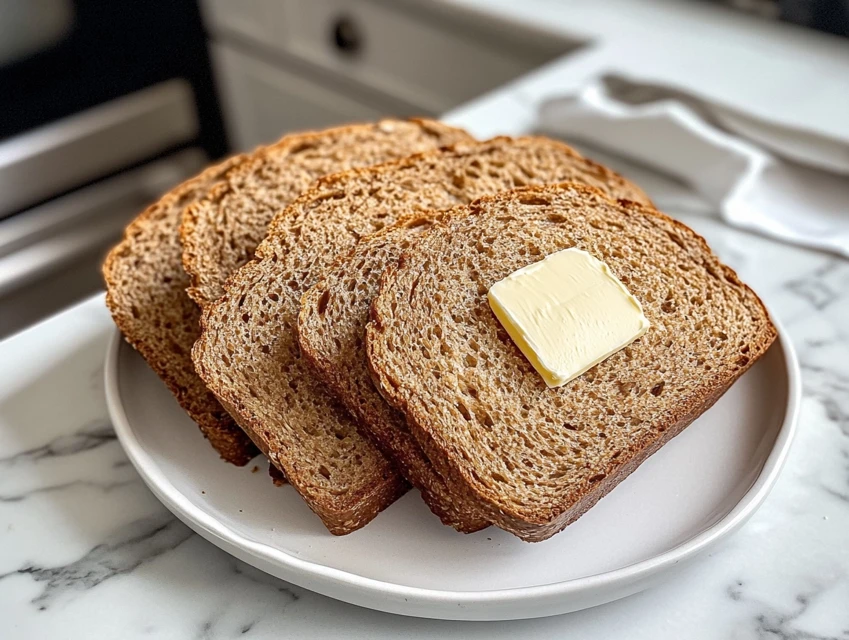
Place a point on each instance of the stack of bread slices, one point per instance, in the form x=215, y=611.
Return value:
x=323, y=300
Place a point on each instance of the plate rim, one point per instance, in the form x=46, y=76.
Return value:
x=299, y=571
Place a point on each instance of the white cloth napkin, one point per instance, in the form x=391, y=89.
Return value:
x=789, y=184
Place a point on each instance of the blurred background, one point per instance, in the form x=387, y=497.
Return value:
x=105, y=104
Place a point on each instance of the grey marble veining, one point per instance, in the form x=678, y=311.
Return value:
x=87, y=437
x=119, y=554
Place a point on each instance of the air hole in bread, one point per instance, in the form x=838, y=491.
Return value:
x=413, y=288
x=713, y=272
x=529, y=173
x=676, y=239
x=657, y=389
x=534, y=200
x=322, y=302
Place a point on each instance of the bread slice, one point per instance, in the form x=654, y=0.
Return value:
x=248, y=353
x=220, y=232
x=145, y=293
x=537, y=458
x=334, y=312
x=145, y=280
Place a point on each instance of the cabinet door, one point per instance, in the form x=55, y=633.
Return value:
x=423, y=54
x=262, y=102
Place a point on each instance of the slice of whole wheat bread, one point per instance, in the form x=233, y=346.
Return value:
x=248, y=352
x=537, y=458
x=220, y=231
x=334, y=312
x=145, y=293
x=146, y=283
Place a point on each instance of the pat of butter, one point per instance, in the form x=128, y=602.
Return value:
x=567, y=313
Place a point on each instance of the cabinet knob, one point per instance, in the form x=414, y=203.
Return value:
x=346, y=36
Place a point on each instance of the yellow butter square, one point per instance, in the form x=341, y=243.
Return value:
x=567, y=313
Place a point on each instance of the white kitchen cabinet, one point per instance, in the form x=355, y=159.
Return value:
x=262, y=101
x=291, y=64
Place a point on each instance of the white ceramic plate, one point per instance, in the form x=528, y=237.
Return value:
x=698, y=489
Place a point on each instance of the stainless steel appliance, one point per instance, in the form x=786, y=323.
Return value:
x=104, y=106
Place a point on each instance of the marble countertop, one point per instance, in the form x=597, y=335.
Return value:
x=86, y=551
